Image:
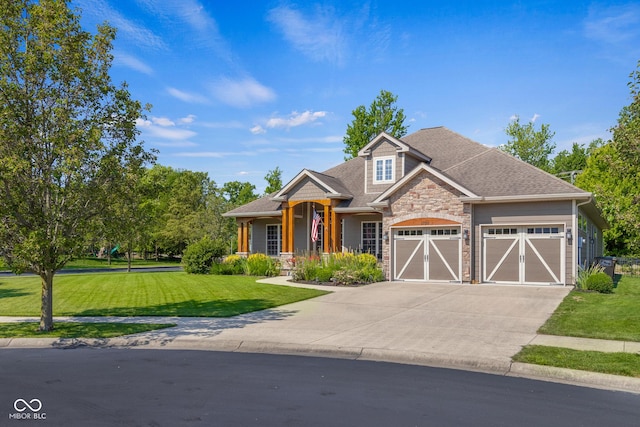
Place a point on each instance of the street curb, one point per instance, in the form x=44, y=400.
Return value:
x=490, y=366
x=575, y=377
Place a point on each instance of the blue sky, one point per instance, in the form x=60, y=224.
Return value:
x=238, y=88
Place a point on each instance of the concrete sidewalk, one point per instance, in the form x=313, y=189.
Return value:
x=458, y=326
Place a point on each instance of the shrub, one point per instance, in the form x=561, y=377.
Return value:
x=585, y=273
x=306, y=268
x=261, y=265
x=199, y=256
x=367, y=261
x=600, y=282
x=233, y=264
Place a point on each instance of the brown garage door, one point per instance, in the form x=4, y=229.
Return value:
x=428, y=254
x=523, y=254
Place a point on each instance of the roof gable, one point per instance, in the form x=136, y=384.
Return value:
x=401, y=147
x=330, y=186
x=420, y=168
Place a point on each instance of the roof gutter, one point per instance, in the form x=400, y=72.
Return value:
x=252, y=214
x=528, y=198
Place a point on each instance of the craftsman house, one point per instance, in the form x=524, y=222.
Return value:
x=433, y=206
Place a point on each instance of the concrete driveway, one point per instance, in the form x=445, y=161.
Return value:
x=470, y=326
x=477, y=327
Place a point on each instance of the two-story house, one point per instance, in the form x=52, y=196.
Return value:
x=433, y=206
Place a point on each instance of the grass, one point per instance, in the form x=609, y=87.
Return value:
x=592, y=315
x=604, y=316
x=147, y=294
x=77, y=330
x=627, y=364
x=81, y=263
x=92, y=262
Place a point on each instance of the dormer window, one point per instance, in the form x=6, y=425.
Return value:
x=384, y=170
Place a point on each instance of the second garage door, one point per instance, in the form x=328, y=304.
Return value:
x=523, y=254
x=428, y=254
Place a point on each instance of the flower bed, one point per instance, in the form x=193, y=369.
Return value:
x=345, y=269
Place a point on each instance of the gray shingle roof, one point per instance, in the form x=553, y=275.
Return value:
x=486, y=171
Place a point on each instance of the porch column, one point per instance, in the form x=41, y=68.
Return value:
x=243, y=237
x=285, y=229
x=328, y=225
x=336, y=244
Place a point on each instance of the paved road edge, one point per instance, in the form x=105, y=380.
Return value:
x=491, y=366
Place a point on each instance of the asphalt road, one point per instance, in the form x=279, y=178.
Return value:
x=107, y=387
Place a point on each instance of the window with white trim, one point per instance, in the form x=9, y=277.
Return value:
x=384, y=170
x=274, y=239
x=372, y=238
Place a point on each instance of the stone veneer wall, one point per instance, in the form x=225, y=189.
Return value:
x=426, y=196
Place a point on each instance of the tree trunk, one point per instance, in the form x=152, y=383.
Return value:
x=129, y=256
x=46, y=310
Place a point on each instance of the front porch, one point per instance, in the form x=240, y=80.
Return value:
x=291, y=230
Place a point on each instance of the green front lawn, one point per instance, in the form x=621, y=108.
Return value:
x=605, y=316
x=147, y=294
x=627, y=364
x=77, y=330
x=592, y=315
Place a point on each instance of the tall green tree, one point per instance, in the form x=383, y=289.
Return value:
x=613, y=175
x=568, y=164
x=528, y=144
x=382, y=116
x=274, y=180
x=238, y=193
x=67, y=136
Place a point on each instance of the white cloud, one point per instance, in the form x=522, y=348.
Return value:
x=192, y=98
x=615, y=24
x=242, y=93
x=187, y=120
x=170, y=133
x=257, y=130
x=295, y=119
x=101, y=11
x=194, y=16
x=323, y=139
x=164, y=128
x=162, y=121
x=233, y=124
x=535, y=117
x=132, y=62
x=321, y=37
x=176, y=144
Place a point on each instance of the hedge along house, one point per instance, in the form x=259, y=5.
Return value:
x=432, y=206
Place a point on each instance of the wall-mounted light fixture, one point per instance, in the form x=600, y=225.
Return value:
x=385, y=236
x=465, y=234
x=569, y=235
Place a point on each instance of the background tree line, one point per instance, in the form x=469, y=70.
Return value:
x=167, y=209
x=610, y=170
